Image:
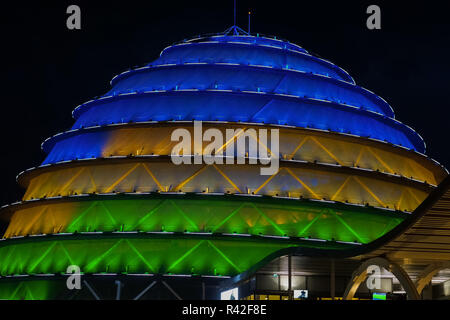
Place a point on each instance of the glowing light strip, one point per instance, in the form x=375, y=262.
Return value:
x=303, y=98
x=206, y=235
x=155, y=66
x=24, y=202
x=115, y=274
x=239, y=191
x=331, y=64
x=231, y=64
x=275, y=125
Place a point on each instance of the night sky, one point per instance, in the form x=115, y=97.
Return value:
x=48, y=70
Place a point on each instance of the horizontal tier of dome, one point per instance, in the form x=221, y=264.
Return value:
x=244, y=54
x=261, y=41
x=226, y=76
x=201, y=213
x=141, y=139
x=216, y=105
x=158, y=174
x=143, y=253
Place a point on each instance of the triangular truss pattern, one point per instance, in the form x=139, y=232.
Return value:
x=189, y=215
x=194, y=256
x=307, y=183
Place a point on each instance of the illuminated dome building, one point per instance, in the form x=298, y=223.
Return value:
x=108, y=198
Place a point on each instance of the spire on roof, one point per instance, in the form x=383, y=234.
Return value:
x=235, y=31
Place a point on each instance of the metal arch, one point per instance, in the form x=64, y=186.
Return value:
x=360, y=274
x=428, y=273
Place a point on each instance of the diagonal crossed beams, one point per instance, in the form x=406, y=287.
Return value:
x=180, y=186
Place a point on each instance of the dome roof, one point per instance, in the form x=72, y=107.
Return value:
x=110, y=198
x=243, y=78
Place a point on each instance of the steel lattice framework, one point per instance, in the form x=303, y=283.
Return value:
x=108, y=199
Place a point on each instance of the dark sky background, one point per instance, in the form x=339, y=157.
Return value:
x=48, y=70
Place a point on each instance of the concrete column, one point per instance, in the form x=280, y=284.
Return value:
x=203, y=291
x=290, y=277
x=332, y=280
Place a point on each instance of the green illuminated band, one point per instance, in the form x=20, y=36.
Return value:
x=42, y=289
x=141, y=253
x=203, y=213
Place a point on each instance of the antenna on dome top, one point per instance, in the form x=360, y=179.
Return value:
x=235, y=30
x=234, y=24
x=249, y=15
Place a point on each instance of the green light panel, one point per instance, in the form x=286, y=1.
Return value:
x=208, y=214
x=29, y=289
x=131, y=255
